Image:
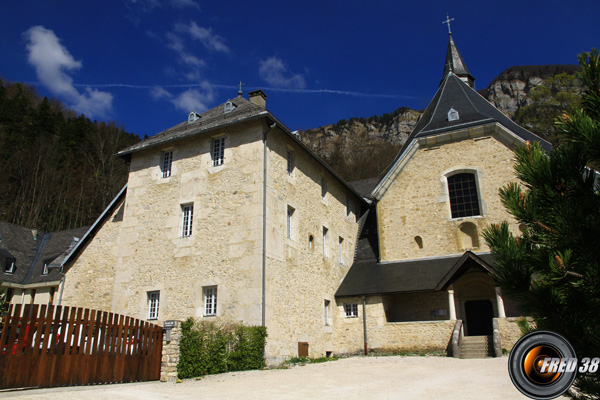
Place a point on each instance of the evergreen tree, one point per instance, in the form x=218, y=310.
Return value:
x=553, y=267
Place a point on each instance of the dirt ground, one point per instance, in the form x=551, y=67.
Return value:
x=352, y=378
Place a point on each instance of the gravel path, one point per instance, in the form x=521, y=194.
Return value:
x=352, y=378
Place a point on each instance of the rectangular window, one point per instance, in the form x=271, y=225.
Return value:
x=341, y=249
x=167, y=159
x=290, y=217
x=153, y=300
x=290, y=162
x=51, y=297
x=218, y=151
x=210, y=301
x=325, y=230
x=45, y=270
x=187, y=219
x=9, y=265
x=462, y=190
x=323, y=188
x=327, y=312
x=351, y=310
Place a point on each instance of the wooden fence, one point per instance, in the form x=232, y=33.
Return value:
x=43, y=346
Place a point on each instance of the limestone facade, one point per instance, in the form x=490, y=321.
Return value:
x=416, y=207
x=141, y=249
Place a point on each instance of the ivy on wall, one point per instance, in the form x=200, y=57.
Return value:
x=212, y=348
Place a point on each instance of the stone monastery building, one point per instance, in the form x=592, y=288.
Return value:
x=228, y=216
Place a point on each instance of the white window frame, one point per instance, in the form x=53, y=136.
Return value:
x=290, y=222
x=325, y=233
x=45, y=270
x=217, y=152
x=341, y=249
x=351, y=310
x=153, y=304
x=210, y=301
x=166, y=164
x=11, y=269
x=187, y=219
x=326, y=309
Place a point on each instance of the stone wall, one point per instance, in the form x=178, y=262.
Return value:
x=170, y=354
x=418, y=336
x=417, y=203
x=300, y=277
x=146, y=252
x=90, y=279
x=510, y=331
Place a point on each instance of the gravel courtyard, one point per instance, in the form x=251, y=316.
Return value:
x=352, y=378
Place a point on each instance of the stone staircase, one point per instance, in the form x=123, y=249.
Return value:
x=476, y=347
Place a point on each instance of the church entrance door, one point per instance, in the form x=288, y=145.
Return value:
x=480, y=314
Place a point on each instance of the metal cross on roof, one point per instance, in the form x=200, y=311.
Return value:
x=240, y=85
x=447, y=21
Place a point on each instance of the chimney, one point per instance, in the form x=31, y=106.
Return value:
x=258, y=97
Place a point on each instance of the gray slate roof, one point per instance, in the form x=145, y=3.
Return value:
x=365, y=186
x=472, y=108
x=215, y=117
x=427, y=274
x=32, y=252
x=455, y=63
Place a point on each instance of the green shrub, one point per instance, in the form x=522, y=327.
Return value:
x=211, y=348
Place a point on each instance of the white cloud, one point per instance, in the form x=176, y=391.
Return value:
x=51, y=59
x=274, y=71
x=192, y=99
x=210, y=40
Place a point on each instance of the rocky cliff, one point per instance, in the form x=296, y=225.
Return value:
x=509, y=91
x=346, y=144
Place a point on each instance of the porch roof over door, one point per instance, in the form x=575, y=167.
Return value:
x=420, y=275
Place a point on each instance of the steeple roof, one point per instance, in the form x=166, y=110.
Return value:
x=471, y=110
x=455, y=63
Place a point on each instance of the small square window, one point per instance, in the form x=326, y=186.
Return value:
x=351, y=310
x=153, y=301
x=167, y=159
x=218, y=151
x=187, y=220
x=210, y=301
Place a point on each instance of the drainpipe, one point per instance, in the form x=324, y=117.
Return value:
x=264, y=224
x=62, y=287
x=365, y=324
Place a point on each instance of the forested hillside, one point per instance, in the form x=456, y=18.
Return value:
x=57, y=170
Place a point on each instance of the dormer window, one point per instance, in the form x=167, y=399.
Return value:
x=193, y=117
x=229, y=107
x=9, y=266
x=453, y=115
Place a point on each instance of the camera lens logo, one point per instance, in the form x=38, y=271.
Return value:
x=542, y=365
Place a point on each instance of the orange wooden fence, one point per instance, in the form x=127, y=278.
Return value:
x=43, y=346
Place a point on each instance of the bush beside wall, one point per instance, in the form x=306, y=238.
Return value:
x=212, y=348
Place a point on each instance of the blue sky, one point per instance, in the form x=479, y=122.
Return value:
x=146, y=63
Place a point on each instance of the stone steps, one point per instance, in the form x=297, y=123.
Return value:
x=475, y=347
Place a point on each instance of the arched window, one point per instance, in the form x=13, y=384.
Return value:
x=462, y=190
